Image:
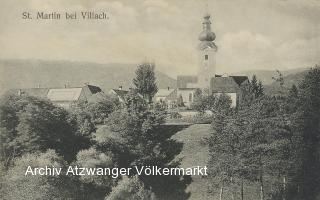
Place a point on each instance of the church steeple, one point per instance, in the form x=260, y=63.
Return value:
x=207, y=36
x=207, y=51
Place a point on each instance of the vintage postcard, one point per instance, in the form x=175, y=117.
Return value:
x=160, y=99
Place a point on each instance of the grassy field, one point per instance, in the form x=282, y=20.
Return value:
x=194, y=153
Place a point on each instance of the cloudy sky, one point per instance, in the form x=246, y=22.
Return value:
x=251, y=34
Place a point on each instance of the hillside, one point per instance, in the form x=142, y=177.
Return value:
x=31, y=73
x=266, y=75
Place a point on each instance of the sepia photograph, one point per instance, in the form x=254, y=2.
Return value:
x=160, y=99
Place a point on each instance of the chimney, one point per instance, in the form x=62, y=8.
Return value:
x=168, y=88
x=65, y=85
x=120, y=87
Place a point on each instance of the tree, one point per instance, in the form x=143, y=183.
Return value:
x=256, y=87
x=18, y=186
x=145, y=81
x=213, y=103
x=307, y=120
x=279, y=78
x=254, y=84
x=98, y=107
x=254, y=143
x=35, y=125
x=131, y=133
x=91, y=158
x=130, y=188
x=260, y=90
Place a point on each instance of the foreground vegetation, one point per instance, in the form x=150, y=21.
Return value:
x=266, y=148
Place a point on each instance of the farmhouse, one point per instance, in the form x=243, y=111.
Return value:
x=63, y=97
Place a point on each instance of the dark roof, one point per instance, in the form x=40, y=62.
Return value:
x=224, y=84
x=89, y=90
x=94, y=89
x=239, y=79
x=182, y=81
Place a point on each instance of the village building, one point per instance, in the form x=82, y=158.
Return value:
x=167, y=96
x=229, y=85
x=63, y=97
x=119, y=94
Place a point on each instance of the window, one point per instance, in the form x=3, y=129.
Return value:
x=206, y=57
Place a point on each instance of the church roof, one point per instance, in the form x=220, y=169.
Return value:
x=207, y=44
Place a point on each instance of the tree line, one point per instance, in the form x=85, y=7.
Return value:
x=100, y=133
x=268, y=147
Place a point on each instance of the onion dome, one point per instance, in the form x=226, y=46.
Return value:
x=207, y=34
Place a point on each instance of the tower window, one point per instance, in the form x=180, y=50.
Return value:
x=206, y=57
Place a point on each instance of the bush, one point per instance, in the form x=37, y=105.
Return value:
x=131, y=188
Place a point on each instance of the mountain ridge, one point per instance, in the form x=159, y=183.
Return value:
x=31, y=73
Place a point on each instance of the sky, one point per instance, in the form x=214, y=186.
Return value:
x=250, y=34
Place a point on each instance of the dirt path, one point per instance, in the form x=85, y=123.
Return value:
x=194, y=153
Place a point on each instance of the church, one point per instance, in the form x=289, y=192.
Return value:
x=206, y=79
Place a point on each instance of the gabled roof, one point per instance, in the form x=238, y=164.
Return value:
x=183, y=81
x=239, y=79
x=164, y=92
x=36, y=92
x=64, y=94
x=60, y=94
x=224, y=84
x=119, y=93
x=93, y=89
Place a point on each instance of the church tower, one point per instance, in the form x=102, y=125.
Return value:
x=207, y=54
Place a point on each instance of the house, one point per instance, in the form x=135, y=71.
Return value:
x=167, y=95
x=119, y=93
x=187, y=95
x=63, y=97
x=229, y=85
x=185, y=81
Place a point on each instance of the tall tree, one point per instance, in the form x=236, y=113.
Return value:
x=145, y=81
x=29, y=124
x=308, y=121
